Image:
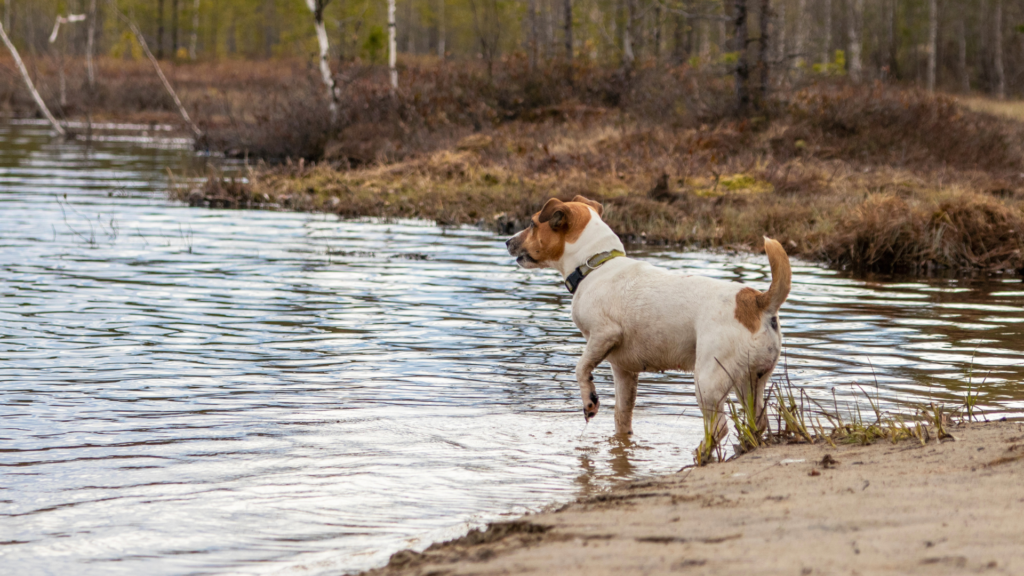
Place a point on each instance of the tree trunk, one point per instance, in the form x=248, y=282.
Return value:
x=156, y=65
x=442, y=31
x=890, y=30
x=742, y=70
x=160, y=29
x=933, y=38
x=174, y=28
x=705, y=40
x=195, y=31
x=628, y=34
x=678, y=39
x=826, y=53
x=764, y=40
x=317, y=8
x=779, y=34
x=657, y=32
x=855, y=27
x=965, y=79
x=392, y=45
x=567, y=4
x=997, y=49
x=800, y=48
x=533, y=34
x=90, y=45
x=28, y=83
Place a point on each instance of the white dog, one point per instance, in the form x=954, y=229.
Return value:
x=646, y=319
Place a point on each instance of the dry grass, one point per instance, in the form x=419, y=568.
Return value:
x=921, y=204
x=1012, y=109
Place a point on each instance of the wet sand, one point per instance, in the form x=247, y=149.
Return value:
x=950, y=508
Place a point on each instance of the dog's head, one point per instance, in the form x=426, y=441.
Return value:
x=558, y=223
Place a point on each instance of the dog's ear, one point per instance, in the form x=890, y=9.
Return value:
x=593, y=204
x=554, y=213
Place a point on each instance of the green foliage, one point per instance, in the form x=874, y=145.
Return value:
x=373, y=46
x=835, y=68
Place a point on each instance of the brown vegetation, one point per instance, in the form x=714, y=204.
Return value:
x=867, y=178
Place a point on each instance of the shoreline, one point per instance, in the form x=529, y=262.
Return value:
x=905, y=508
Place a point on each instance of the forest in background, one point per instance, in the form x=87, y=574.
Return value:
x=832, y=131
x=954, y=45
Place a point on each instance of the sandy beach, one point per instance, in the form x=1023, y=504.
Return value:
x=953, y=507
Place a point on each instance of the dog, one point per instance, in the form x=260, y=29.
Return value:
x=642, y=318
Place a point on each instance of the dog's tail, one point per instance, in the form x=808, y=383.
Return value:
x=782, y=277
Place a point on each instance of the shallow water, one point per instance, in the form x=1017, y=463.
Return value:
x=211, y=391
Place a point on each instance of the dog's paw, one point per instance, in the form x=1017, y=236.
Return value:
x=591, y=406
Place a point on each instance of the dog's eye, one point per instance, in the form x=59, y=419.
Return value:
x=775, y=323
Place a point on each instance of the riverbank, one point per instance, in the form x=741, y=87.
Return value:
x=872, y=179
x=941, y=508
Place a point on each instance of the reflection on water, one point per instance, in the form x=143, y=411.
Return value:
x=209, y=391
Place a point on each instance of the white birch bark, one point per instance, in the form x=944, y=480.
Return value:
x=28, y=83
x=156, y=66
x=195, y=31
x=933, y=35
x=627, y=34
x=855, y=25
x=90, y=45
x=317, y=8
x=997, y=49
x=392, y=45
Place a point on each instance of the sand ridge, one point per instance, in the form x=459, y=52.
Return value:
x=944, y=508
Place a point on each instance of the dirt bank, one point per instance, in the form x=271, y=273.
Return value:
x=948, y=508
x=866, y=178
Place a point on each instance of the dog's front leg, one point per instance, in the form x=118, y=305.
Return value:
x=625, y=399
x=597, y=348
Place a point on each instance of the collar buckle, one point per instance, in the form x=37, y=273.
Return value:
x=572, y=282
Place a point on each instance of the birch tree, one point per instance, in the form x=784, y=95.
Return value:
x=195, y=31
x=317, y=8
x=90, y=45
x=392, y=44
x=62, y=77
x=156, y=66
x=28, y=83
x=855, y=27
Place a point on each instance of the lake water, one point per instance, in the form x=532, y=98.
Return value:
x=194, y=391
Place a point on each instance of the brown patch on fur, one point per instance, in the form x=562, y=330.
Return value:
x=557, y=223
x=748, y=311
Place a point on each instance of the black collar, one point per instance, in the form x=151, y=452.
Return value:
x=592, y=263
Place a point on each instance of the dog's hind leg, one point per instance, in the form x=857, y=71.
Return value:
x=625, y=399
x=712, y=385
x=598, y=346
